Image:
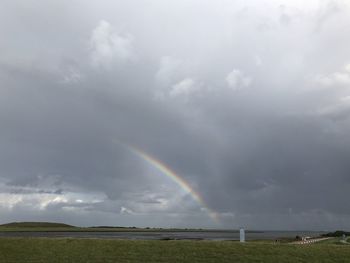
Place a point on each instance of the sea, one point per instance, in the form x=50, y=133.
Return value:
x=169, y=235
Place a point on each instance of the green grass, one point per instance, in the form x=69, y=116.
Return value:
x=331, y=241
x=334, y=241
x=98, y=250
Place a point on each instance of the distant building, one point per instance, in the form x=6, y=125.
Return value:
x=242, y=235
x=305, y=238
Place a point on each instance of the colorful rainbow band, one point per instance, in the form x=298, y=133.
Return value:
x=164, y=169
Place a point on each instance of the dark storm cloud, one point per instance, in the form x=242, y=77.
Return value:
x=247, y=101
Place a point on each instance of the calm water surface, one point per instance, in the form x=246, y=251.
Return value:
x=186, y=235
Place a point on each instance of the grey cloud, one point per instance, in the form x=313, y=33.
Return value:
x=269, y=152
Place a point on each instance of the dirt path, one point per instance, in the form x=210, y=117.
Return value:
x=311, y=241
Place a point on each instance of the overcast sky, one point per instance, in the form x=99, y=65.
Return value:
x=247, y=101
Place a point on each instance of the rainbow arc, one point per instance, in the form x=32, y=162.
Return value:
x=167, y=171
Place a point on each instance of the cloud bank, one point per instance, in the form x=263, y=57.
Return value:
x=248, y=101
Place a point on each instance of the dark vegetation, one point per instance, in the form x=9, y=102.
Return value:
x=34, y=224
x=337, y=233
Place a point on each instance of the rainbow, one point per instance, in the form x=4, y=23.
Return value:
x=167, y=171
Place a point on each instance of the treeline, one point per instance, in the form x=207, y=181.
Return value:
x=337, y=233
x=112, y=227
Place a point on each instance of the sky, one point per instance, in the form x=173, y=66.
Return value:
x=187, y=113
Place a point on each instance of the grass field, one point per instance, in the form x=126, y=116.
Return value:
x=334, y=241
x=97, y=250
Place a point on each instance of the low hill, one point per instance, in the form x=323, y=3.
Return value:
x=34, y=224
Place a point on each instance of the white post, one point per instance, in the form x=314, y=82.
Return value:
x=241, y=235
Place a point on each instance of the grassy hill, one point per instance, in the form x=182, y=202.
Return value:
x=36, y=227
x=34, y=224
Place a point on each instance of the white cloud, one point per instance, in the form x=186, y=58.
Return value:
x=258, y=61
x=339, y=110
x=126, y=211
x=323, y=80
x=47, y=200
x=107, y=45
x=236, y=80
x=172, y=80
x=9, y=201
x=347, y=67
x=305, y=5
x=36, y=199
x=340, y=78
x=184, y=87
x=169, y=68
x=72, y=76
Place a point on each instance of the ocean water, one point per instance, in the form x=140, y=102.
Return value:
x=168, y=235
